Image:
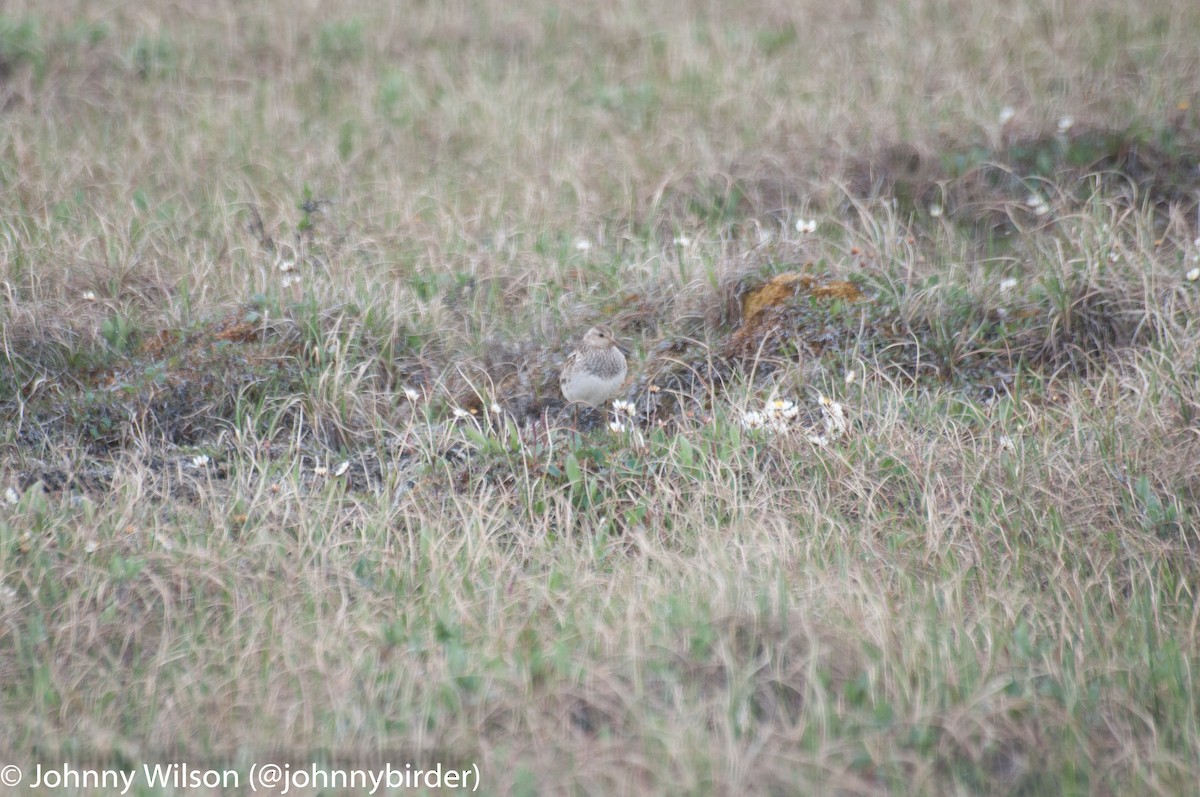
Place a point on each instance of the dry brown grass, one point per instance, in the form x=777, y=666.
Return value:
x=231, y=237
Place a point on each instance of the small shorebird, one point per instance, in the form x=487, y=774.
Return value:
x=595, y=371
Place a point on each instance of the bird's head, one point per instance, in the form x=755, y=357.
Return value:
x=601, y=337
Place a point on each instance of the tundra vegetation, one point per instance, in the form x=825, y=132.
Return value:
x=903, y=498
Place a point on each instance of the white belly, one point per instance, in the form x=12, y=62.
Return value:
x=591, y=389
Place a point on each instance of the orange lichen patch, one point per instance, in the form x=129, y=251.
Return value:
x=242, y=332
x=837, y=289
x=765, y=307
x=154, y=346
x=778, y=291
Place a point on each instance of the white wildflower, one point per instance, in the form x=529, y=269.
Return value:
x=321, y=470
x=411, y=394
x=836, y=422
x=1065, y=124
x=752, y=419
x=683, y=240
x=622, y=407
x=288, y=280
x=495, y=409
x=91, y=546
x=616, y=427
x=1007, y=284
x=851, y=375
x=582, y=245
x=781, y=409
x=460, y=413
x=11, y=495
x=778, y=425
x=1193, y=275
x=200, y=461
x=935, y=211
x=818, y=440
x=1037, y=204
x=1006, y=114
x=89, y=296
x=806, y=226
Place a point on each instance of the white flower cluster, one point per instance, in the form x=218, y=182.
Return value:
x=779, y=416
x=624, y=408
x=623, y=421
x=834, y=416
x=776, y=416
x=287, y=268
x=623, y=412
